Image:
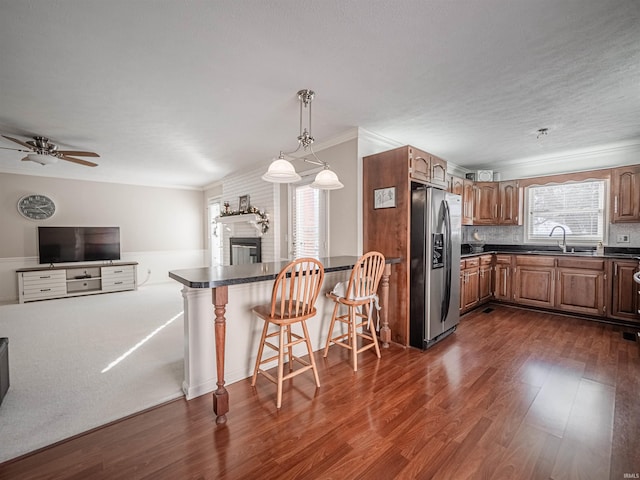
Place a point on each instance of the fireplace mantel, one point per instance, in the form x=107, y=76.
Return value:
x=250, y=218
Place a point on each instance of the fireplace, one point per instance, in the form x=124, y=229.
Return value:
x=245, y=250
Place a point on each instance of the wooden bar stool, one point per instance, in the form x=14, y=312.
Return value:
x=359, y=297
x=292, y=301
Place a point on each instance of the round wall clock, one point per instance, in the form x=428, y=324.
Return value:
x=36, y=207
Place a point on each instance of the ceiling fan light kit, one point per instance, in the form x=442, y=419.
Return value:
x=41, y=151
x=282, y=171
x=42, y=159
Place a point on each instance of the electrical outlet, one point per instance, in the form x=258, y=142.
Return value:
x=623, y=238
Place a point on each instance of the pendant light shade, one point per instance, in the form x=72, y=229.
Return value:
x=326, y=180
x=282, y=171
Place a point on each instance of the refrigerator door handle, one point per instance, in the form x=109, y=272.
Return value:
x=446, y=300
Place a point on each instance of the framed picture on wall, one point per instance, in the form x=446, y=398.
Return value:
x=384, y=198
x=243, y=203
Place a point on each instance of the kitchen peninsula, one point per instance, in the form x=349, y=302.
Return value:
x=235, y=290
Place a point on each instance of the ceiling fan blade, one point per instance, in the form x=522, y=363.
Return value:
x=15, y=149
x=78, y=160
x=77, y=153
x=20, y=142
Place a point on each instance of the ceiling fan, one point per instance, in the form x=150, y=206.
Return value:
x=42, y=151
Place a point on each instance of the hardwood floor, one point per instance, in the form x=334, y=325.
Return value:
x=512, y=394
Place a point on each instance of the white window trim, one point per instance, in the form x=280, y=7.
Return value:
x=307, y=177
x=572, y=241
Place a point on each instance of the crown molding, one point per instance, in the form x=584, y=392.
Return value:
x=574, y=156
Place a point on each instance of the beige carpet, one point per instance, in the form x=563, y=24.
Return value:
x=78, y=363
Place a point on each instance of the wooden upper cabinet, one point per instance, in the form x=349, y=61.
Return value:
x=467, y=202
x=485, y=206
x=438, y=171
x=509, y=204
x=419, y=165
x=428, y=168
x=456, y=185
x=464, y=188
x=496, y=203
x=625, y=191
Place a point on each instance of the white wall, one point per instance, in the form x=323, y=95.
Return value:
x=161, y=228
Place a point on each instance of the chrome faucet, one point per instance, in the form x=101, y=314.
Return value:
x=562, y=245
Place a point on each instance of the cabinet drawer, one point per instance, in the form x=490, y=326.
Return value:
x=118, y=278
x=535, y=261
x=472, y=262
x=582, y=263
x=486, y=259
x=463, y=263
x=503, y=259
x=44, y=276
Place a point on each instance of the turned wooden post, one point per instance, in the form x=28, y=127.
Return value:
x=220, y=298
x=385, y=331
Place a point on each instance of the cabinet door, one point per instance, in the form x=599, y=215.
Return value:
x=509, y=203
x=470, y=288
x=626, y=194
x=624, y=303
x=484, y=283
x=438, y=174
x=485, y=206
x=502, y=278
x=535, y=280
x=419, y=165
x=581, y=291
x=467, y=202
x=456, y=185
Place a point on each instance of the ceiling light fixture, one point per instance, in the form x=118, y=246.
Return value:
x=542, y=132
x=41, y=158
x=282, y=171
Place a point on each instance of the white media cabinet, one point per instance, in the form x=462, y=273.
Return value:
x=43, y=283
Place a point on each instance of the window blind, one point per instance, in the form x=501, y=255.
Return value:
x=578, y=207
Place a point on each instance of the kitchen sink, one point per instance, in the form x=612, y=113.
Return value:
x=554, y=252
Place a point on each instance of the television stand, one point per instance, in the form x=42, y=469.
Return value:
x=45, y=283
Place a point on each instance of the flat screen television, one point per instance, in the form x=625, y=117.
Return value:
x=78, y=244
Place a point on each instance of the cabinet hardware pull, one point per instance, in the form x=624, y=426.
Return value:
x=117, y=271
x=46, y=276
x=118, y=283
x=45, y=289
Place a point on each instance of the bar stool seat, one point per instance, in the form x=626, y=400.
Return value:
x=293, y=299
x=360, y=298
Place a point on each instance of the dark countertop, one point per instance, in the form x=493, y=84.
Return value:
x=609, y=252
x=210, y=277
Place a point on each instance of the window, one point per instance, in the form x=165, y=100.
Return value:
x=578, y=207
x=308, y=214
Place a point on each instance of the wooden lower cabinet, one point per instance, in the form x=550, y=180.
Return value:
x=475, y=281
x=625, y=300
x=534, y=281
x=485, y=279
x=581, y=286
x=469, y=283
x=502, y=279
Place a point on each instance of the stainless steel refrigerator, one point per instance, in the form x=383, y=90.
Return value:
x=436, y=232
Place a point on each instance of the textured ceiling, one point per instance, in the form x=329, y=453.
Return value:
x=182, y=93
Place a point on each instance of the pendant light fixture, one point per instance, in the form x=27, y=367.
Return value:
x=282, y=171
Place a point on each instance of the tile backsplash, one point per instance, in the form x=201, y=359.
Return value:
x=514, y=235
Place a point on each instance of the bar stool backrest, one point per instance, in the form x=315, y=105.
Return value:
x=296, y=289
